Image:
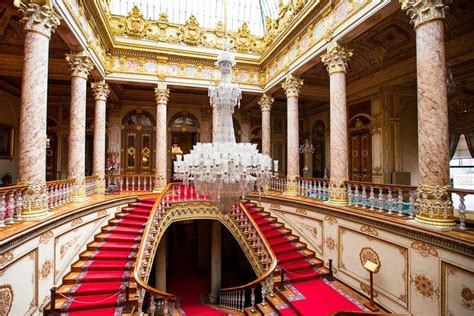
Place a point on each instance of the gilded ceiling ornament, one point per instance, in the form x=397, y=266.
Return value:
x=424, y=250
x=190, y=33
x=434, y=206
x=39, y=18
x=369, y=254
x=134, y=25
x=6, y=299
x=421, y=11
x=100, y=89
x=292, y=86
x=243, y=41
x=336, y=58
x=265, y=103
x=81, y=66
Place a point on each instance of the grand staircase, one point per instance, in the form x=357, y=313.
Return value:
x=97, y=281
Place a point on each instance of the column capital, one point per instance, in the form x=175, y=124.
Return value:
x=81, y=66
x=292, y=86
x=421, y=11
x=100, y=89
x=265, y=103
x=162, y=93
x=39, y=18
x=336, y=58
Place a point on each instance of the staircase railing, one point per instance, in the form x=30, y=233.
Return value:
x=239, y=297
x=59, y=192
x=132, y=182
x=91, y=185
x=11, y=204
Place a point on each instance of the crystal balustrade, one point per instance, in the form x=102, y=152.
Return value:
x=391, y=199
x=131, y=182
x=180, y=202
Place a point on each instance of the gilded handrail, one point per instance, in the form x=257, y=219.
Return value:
x=61, y=181
x=141, y=250
x=13, y=187
x=269, y=250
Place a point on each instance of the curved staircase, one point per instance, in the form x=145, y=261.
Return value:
x=97, y=281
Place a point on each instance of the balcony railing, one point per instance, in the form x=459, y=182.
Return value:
x=91, y=185
x=59, y=192
x=132, y=182
x=392, y=199
x=11, y=204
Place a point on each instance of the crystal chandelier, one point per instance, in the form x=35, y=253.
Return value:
x=225, y=170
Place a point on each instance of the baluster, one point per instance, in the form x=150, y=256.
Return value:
x=325, y=191
x=364, y=197
x=2, y=209
x=133, y=183
x=350, y=195
x=152, y=305
x=11, y=208
x=264, y=293
x=126, y=183
x=242, y=301
x=140, y=294
x=356, y=195
x=372, y=198
x=390, y=201
x=320, y=191
x=411, y=208
x=380, y=200
x=400, y=202
x=252, y=301
x=271, y=285
x=18, y=206
x=56, y=195
x=462, y=212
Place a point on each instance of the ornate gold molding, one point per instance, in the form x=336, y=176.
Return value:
x=100, y=89
x=337, y=191
x=39, y=18
x=243, y=41
x=424, y=250
x=292, y=86
x=336, y=58
x=81, y=66
x=434, y=206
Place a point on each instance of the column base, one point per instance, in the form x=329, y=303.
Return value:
x=434, y=207
x=213, y=299
x=100, y=186
x=79, y=192
x=35, y=202
x=291, y=187
x=35, y=215
x=429, y=225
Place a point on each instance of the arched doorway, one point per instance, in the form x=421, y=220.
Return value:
x=319, y=156
x=360, y=148
x=138, y=139
x=184, y=130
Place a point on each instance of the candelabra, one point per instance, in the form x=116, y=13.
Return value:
x=307, y=149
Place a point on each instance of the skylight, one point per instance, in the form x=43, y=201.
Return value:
x=207, y=12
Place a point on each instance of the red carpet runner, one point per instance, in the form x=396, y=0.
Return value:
x=107, y=266
x=315, y=297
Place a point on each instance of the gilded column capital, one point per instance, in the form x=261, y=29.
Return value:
x=162, y=93
x=100, y=89
x=336, y=58
x=81, y=66
x=421, y=11
x=39, y=18
x=292, y=86
x=265, y=103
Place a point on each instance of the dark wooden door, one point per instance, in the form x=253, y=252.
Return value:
x=361, y=153
x=137, y=151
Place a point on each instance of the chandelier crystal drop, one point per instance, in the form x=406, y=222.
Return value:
x=225, y=170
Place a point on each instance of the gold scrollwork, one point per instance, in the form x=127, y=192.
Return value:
x=369, y=230
x=424, y=250
x=424, y=285
x=243, y=41
x=6, y=257
x=190, y=33
x=6, y=299
x=331, y=220
x=45, y=237
x=46, y=268
x=134, y=25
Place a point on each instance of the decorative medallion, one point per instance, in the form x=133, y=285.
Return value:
x=46, y=268
x=424, y=250
x=369, y=254
x=243, y=41
x=77, y=221
x=275, y=205
x=467, y=298
x=6, y=299
x=45, y=237
x=369, y=230
x=331, y=220
x=101, y=213
x=190, y=33
x=134, y=25
x=301, y=211
x=424, y=285
x=330, y=243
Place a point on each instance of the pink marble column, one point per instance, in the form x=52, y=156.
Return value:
x=265, y=103
x=245, y=128
x=161, y=95
x=40, y=23
x=115, y=122
x=80, y=69
x=206, y=129
x=336, y=60
x=434, y=203
x=292, y=87
x=101, y=91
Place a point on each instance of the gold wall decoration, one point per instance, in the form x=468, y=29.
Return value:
x=101, y=213
x=45, y=237
x=6, y=257
x=134, y=26
x=369, y=254
x=424, y=285
x=369, y=230
x=467, y=298
x=330, y=243
x=77, y=221
x=301, y=211
x=46, y=268
x=243, y=41
x=423, y=249
x=6, y=299
x=331, y=220
x=275, y=205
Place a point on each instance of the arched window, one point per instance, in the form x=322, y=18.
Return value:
x=184, y=122
x=139, y=118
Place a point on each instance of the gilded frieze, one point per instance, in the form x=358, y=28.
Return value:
x=423, y=249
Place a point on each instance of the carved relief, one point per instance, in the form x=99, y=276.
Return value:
x=46, y=268
x=467, y=298
x=134, y=25
x=424, y=285
x=423, y=249
x=330, y=243
x=64, y=248
x=101, y=213
x=243, y=41
x=45, y=237
x=275, y=205
x=369, y=230
x=77, y=221
x=6, y=299
x=190, y=33
x=301, y=211
x=311, y=229
x=369, y=254
x=331, y=220
x=6, y=257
